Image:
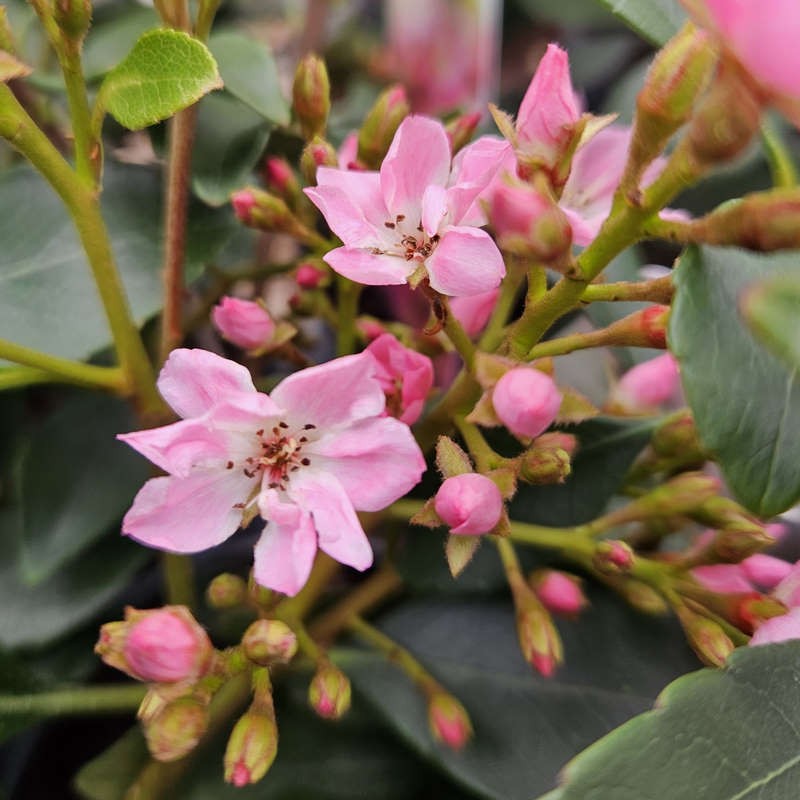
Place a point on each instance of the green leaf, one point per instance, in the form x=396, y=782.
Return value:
x=724, y=734
x=656, y=21
x=44, y=277
x=526, y=726
x=745, y=401
x=15, y=678
x=109, y=776
x=75, y=482
x=166, y=71
x=772, y=310
x=250, y=74
x=112, y=35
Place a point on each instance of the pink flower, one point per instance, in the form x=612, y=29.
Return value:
x=526, y=401
x=243, y=323
x=473, y=312
x=469, y=504
x=723, y=578
x=414, y=212
x=560, y=593
x=649, y=384
x=763, y=37
x=305, y=458
x=405, y=376
x=778, y=629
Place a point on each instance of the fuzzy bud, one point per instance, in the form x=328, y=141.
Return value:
x=251, y=748
x=526, y=401
x=538, y=638
x=684, y=494
x=644, y=328
x=740, y=534
x=469, y=504
x=262, y=210
x=163, y=645
x=244, y=323
x=546, y=462
x=226, y=591
x=317, y=153
x=613, y=557
x=560, y=593
x=448, y=720
x=329, y=692
x=269, y=641
x=176, y=729
x=706, y=637
x=641, y=596
x=380, y=126
x=311, y=96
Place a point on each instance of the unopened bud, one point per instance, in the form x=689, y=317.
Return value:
x=176, y=729
x=526, y=401
x=613, y=557
x=251, y=747
x=269, y=641
x=647, y=385
x=677, y=437
x=448, y=720
x=329, y=692
x=73, y=17
x=560, y=593
x=734, y=545
x=469, y=504
x=244, y=323
x=311, y=96
x=461, y=129
x=706, y=638
x=545, y=465
x=557, y=440
x=538, y=638
x=262, y=210
x=226, y=591
x=280, y=177
x=740, y=534
x=311, y=276
x=641, y=596
x=684, y=494
x=163, y=645
x=754, y=609
x=380, y=126
x=644, y=328
x=317, y=153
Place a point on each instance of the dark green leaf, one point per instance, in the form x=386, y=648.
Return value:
x=166, y=71
x=44, y=278
x=724, y=734
x=250, y=74
x=76, y=481
x=772, y=309
x=15, y=678
x=746, y=402
x=526, y=726
x=574, y=12
x=655, y=20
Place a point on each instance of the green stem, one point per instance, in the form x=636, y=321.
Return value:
x=116, y=699
x=87, y=148
x=779, y=158
x=206, y=12
x=485, y=458
x=84, y=208
x=509, y=289
x=659, y=290
x=462, y=395
x=179, y=582
x=672, y=230
x=110, y=378
x=348, y=294
x=458, y=337
x=18, y=377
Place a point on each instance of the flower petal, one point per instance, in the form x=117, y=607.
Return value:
x=474, y=168
x=418, y=157
x=465, y=262
x=376, y=461
x=434, y=208
x=285, y=552
x=187, y=515
x=339, y=392
x=339, y=532
x=778, y=629
x=368, y=268
x=193, y=381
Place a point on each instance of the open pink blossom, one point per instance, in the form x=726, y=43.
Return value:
x=243, y=322
x=405, y=376
x=306, y=457
x=762, y=36
x=417, y=211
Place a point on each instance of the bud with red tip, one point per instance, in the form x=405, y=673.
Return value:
x=461, y=129
x=262, y=210
x=706, y=637
x=538, y=638
x=252, y=746
x=176, y=728
x=310, y=276
x=469, y=504
x=269, y=641
x=245, y=323
x=560, y=593
x=613, y=557
x=226, y=591
x=281, y=179
x=311, y=96
x=162, y=645
x=329, y=692
x=526, y=401
x=380, y=126
x=677, y=437
x=448, y=720
x=317, y=153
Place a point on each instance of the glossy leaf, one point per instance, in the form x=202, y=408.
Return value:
x=655, y=21
x=772, y=310
x=723, y=734
x=745, y=400
x=526, y=726
x=166, y=71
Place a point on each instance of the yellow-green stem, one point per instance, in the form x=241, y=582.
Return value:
x=179, y=582
x=659, y=290
x=78, y=700
x=458, y=337
x=485, y=458
x=348, y=294
x=17, y=377
x=206, y=12
x=779, y=158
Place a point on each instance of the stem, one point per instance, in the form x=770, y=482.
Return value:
x=179, y=583
x=509, y=289
x=18, y=377
x=78, y=700
x=458, y=336
x=462, y=395
x=206, y=12
x=321, y=573
x=110, y=378
x=83, y=206
x=659, y=290
x=781, y=165
x=672, y=230
x=181, y=138
x=485, y=458
x=347, y=297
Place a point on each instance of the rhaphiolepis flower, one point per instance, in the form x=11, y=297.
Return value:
x=305, y=457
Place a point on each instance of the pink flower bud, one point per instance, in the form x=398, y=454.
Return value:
x=538, y=638
x=329, y=692
x=269, y=641
x=380, y=125
x=613, y=556
x=405, y=376
x=649, y=385
x=311, y=95
x=280, y=177
x=765, y=571
x=448, y=720
x=308, y=276
x=473, y=312
x=243, y=203
x=560, y=593
x=470, y=504
x=252, y=747
x=243, y=323
x=526, y=401
x=461, y=129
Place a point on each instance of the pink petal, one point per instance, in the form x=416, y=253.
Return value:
x=285, y=552
x=193, y=381
x=583, y=230
x=465, y=262
x=339, y=532
x=723, y=578
x=434, y=208
x=473, y=312
x=368, y=268
x=766, y=571
x=778, y=629
x=187, y=515
x=418, y=157
x=788, y=590
x=376, y=461
x=337, y=393
x=474, y=168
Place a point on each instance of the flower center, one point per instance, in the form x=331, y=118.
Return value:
x=412, y=243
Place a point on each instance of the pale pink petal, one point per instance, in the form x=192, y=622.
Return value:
x=187, y=515
x=243, y=322
x=778, y=629
x=465, y=262
x=474, y=168
x=766, y=571
x=473, y=312
x=371, y=269
x=339, y=532
x=193, y=381
x=434, y=208
x=723, y=578
x=285, y=552
x=348, y=150
x=377, y=461
x=337, y=393
x=788, y=590
x=418, y=157
x=583, y=230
